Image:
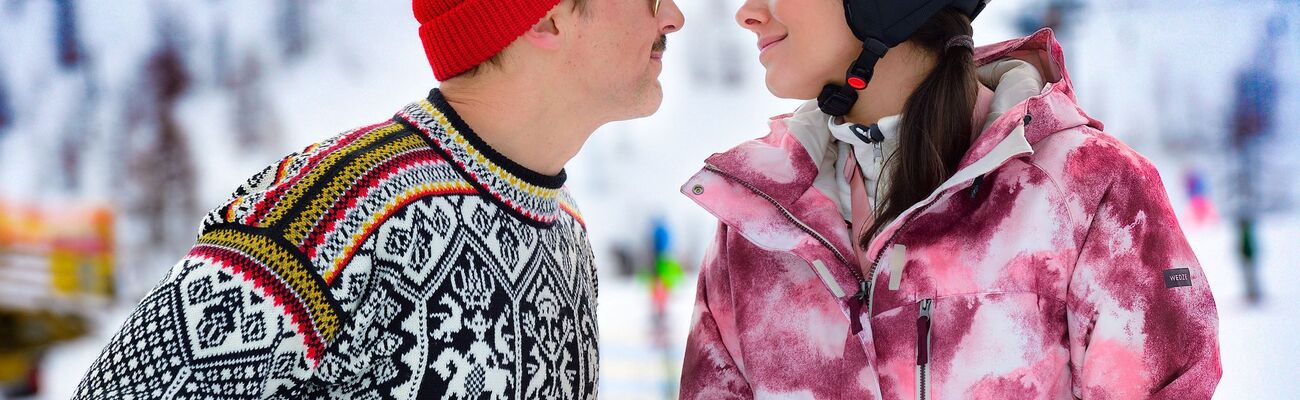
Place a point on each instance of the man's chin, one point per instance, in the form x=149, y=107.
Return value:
x=643, y=101
x=648, y=103
x=653, y=100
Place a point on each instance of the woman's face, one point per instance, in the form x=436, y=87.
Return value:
x=804, y=44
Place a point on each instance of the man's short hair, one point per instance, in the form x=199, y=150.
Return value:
x=495, y=61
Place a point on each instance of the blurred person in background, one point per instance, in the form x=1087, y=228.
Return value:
x=435, y=254
x=943, y=221
x=161, y=184
x=6, y=109
x=1253, y=110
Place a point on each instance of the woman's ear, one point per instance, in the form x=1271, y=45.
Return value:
x=545, y=34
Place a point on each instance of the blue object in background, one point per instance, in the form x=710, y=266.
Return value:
x=65, y=34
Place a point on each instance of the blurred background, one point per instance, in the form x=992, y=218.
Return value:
x=122, y=122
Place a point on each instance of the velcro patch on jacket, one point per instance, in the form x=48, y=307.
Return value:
x=897, y=261
x=1178, y=277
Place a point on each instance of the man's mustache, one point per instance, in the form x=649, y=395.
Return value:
x=661, y=45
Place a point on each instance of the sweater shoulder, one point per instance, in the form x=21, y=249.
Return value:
x=322, y=203
x=294, y=193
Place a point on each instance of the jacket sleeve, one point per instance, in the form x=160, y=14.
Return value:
x=710, y=371
x=1142, y=320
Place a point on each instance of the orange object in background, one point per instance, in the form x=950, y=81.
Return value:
x=81, y=253
x=60, y=251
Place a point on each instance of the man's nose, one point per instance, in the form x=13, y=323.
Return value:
x=670, y=17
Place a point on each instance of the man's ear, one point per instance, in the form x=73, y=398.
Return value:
x=545, y=34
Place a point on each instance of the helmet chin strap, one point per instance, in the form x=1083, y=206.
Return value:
x=838, y=99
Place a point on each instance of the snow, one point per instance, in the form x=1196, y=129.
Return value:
x=365, y=61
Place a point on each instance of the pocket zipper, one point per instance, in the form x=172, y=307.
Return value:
x=923, y=328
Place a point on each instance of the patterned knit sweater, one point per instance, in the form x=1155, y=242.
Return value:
x=405, y=260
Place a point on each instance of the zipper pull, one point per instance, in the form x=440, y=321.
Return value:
x=878, y=150
x=873, y=136
x=878, y=140
x=923, y=333
x=855, y=307
x=880, y=155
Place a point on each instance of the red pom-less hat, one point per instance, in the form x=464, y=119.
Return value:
x=461, y=34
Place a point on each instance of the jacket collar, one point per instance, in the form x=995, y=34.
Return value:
x=785, y=163
x=777, y=164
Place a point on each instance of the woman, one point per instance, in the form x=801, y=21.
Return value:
x=945, y=222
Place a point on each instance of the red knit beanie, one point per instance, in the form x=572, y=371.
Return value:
x=461, y=34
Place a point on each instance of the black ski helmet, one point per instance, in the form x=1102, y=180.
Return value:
x=881, y=25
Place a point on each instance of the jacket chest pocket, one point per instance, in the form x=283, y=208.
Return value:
x=969, y=346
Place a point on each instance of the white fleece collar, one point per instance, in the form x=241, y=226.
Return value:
x=1012, y=81
x=870, y=157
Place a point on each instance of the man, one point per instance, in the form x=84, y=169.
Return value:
x=435, y=255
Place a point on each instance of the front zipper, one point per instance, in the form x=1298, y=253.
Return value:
x=924, y=327
x=876, y=139
x=864, y=288
x=880, y=171
x=871, y=275
x=867, y=285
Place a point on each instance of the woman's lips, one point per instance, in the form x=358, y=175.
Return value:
x=765, y=43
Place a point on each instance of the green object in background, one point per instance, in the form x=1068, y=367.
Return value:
x=666, y=270
x=669, y=271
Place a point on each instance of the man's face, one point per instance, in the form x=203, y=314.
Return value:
x=616, y=51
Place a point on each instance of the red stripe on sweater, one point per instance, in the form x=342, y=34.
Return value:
x=262, y=277
x=274, y=196
x=359, y=190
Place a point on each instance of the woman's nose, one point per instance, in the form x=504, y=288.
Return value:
x=752, y=14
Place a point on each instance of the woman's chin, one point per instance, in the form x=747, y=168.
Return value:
x=785, y=90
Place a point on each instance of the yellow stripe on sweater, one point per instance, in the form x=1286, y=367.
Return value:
x=299, y=190
x=290, y=270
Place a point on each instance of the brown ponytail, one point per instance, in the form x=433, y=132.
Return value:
x=935, y=130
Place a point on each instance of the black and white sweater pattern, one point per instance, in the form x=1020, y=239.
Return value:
x=401, y=260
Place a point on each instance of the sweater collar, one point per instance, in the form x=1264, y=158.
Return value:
x=532, y=194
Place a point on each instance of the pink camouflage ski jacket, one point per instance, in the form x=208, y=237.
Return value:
x=1050, y=266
